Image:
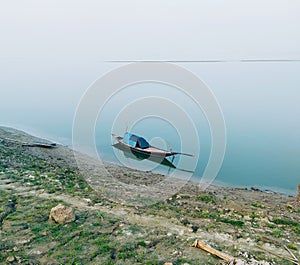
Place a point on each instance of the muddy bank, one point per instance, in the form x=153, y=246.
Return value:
x=128, y=216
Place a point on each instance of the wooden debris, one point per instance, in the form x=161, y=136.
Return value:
x=293, y=259
x=31, y=144
x=209, y=249
x=291, y=253
x=43, y=145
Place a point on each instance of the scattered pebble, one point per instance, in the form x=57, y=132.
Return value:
x=10, y=259
x=15, y=249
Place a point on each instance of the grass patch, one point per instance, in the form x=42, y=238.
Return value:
x=296, y=230
x=237, y=223
x=182, y=261
x=277, y=233
x=288, y=222
x=292, y=246
x=257, y=205
x=127, y=251
x=211, y=215
x=254, y=215
x=185, y=197
x=142, y=244
x=270, y=225
x=206, y=198
x=134, y=229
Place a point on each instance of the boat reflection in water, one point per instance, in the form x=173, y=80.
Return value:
x=138, y=148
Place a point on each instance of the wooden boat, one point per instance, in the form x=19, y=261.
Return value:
x=139, y=146
x=140, y=156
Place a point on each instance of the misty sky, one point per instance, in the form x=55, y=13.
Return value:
x=51, y=51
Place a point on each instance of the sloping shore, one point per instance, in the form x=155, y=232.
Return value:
x=123, y=216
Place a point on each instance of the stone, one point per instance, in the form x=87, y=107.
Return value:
x=15, y=249
x=255, y=189
x=10, y=259
x=168, y=263
x=239, y=262
x=62, y=214
x=88, y=201
x=147, y=242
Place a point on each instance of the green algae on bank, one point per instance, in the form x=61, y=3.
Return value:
x=105, y=231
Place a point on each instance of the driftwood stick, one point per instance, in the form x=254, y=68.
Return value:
x=291, y=253
x=30, y=144
x=295, y=261
x=209, y=249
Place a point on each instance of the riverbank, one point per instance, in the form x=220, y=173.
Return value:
x=116, y=226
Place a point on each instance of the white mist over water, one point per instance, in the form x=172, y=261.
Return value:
x=263, y=146
x=51, y=52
